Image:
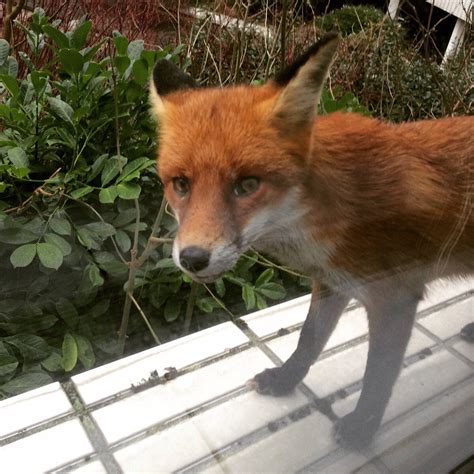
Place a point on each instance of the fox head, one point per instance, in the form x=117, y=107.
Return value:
x=232, y=160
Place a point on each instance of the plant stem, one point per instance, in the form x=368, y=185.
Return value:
x=283, y=32
x=147, y=322
x=220, y=303
x=190, y=307
x=135, y=263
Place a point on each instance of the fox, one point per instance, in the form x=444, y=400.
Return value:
x=367, y=209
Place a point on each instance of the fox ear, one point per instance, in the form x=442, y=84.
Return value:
x=302, y=83
x=167, y=78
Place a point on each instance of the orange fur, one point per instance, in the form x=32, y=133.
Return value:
x=387, y=195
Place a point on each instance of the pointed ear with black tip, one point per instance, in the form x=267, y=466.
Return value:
x=302, y=84
x=167, y=78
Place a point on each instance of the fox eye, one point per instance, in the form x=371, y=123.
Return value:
x=246, y=186
x=181, y=185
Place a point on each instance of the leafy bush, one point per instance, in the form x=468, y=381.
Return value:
x=395, y=81
x=75, y=147
x=349, y=19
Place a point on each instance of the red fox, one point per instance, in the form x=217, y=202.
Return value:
x=369, y=210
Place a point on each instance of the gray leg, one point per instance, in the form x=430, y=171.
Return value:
x=390, y=325
x=324, y=312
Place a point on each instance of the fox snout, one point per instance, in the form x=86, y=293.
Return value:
x=205, y=262
x=194, y=259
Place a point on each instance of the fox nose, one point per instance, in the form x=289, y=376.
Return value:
x=194, y=258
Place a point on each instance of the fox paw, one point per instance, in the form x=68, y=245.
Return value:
x=274, y=382
x=355, y=431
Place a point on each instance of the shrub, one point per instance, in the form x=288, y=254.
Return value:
x=390, y=76
x=75, y=149
x=349, y=19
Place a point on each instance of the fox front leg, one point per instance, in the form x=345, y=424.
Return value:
x=390, y=326
x=324, y=312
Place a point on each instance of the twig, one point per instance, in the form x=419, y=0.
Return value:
x=220, y=303
x=190, y=307
x=283, y=32
x=135, y=263
x=147, y=322
x=267, y=263
x=11, y=13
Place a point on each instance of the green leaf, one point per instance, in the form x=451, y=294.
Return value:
x=123, y=241
x=206, y=304
x=129, y=190
x=62, y=109
x=9, y=323
x=39, y=80
x=5, y=113
x=248, y=295
x=261, y=303
x=132, y=169
x=172, y=310
x=4, y=50
x=25, y=382
x=59, y=242
x=4, y=349
x=140, y=71
x=101, y=229
x=72, y=60
x=85, y=238
x=114, y=267
x=274, y=291
x=81, y=192
x=19, y=173
x=57, y=36
x=85, y=351
x=108, y=195
x=68, y=312
x=31, y=347
x=12, y=66
x=220, y=287
x=150, y=57
x=141, y=227
x=93, y=274
x=133, y=92
x=52, y=363
x=60, y=225
x=112, y=168
x=165, y=263
x=121, y=43
x=50, y=256
x=125, y=217
x=16, y=236
x=69, y=358
x=122, y=63
x=11, y=84
x=8, y=364
x=135, y=49
x=96, y=167
x=43, y=322
x=265, y=277
x=100, y=308
x=18, y=157
x=79, y=35
x=23, y=256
